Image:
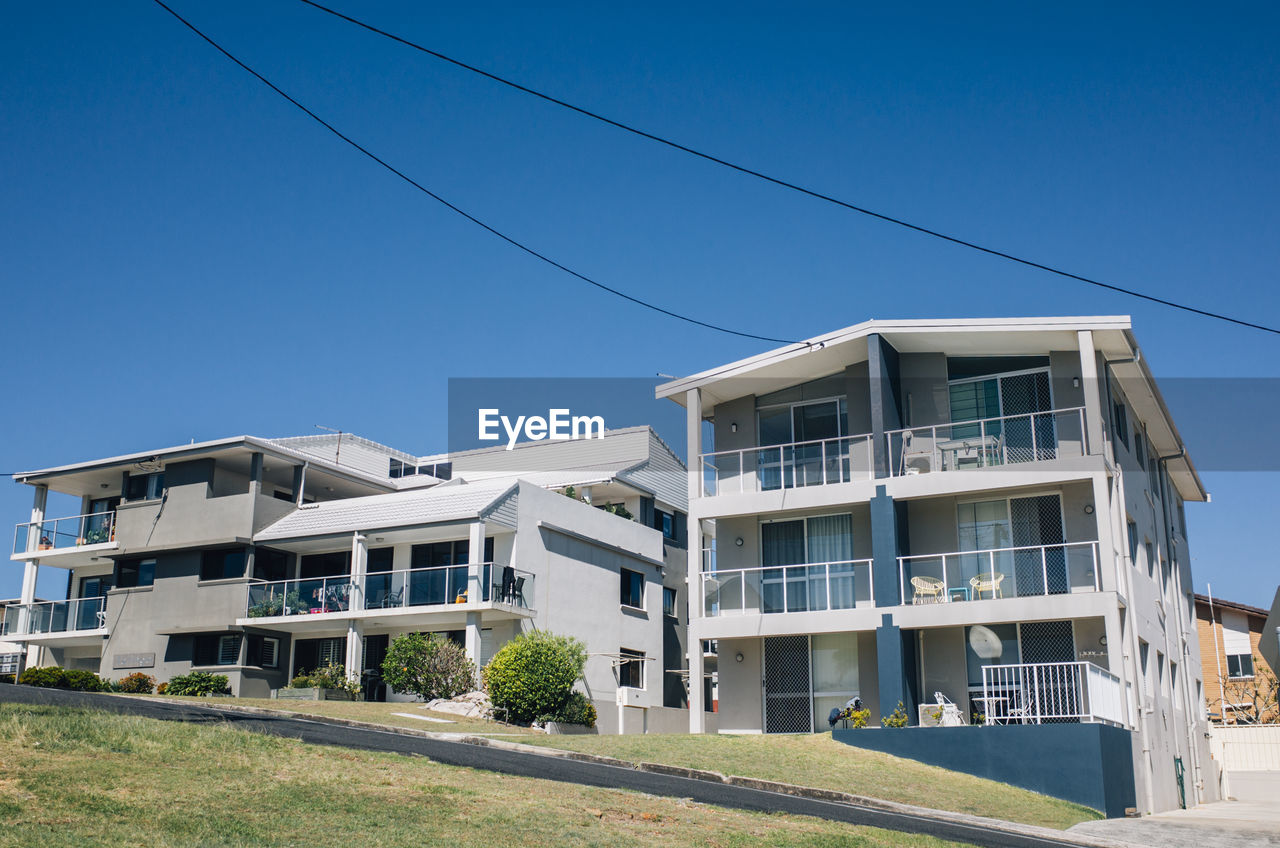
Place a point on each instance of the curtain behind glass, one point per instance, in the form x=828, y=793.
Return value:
x=831, y=541
x=781, y=543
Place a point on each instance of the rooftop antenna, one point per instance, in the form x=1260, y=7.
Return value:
x=337, y=453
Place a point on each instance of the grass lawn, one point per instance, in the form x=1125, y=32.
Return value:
x=817, y=760
x=377, y=713
x=73, y=777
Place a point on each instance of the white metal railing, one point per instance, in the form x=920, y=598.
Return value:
x=806, y=587
x=821, y=462
x=71, y=532
x=999, y=573
x=1039, y=693
x=1003, y=440
x=410, y=587
x=55, y=616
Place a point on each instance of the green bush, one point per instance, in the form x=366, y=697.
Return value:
x=331, y=676
x=6, y=678
x=897, y=718
x=137, y=684
x=533, y=675
x=576, y=709
x=53, y=677
x=199, y=683
x=428, y=666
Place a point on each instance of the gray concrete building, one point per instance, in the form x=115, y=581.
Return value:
x=261, y=558
x=980, y=513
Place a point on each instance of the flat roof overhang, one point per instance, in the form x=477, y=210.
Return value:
x=437, y=617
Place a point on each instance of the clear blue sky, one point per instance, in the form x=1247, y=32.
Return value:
x=185, y=256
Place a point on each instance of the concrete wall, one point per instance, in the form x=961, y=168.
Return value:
x=1090, y=764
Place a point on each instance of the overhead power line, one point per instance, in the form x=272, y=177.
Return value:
x=862, y=210
x=472, y=218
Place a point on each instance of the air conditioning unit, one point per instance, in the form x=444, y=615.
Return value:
x=628, y=697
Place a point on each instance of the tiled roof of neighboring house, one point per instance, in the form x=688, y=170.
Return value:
x=1232, y=605
x=455, y=501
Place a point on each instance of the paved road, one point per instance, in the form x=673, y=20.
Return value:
x=533, y=765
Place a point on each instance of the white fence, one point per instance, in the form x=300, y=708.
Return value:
x=1036, y=693
x=1254, y=747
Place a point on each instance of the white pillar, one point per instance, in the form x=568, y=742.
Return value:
x=31, y=568
x=473, y=639
x=1093, y=408
x=693, y=434
x=359, y=567
x=1108, y=564
x=475, y=561
x=355, y=650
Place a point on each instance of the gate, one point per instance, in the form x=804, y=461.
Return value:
x=788, y=690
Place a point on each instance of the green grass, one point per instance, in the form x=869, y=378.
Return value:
x=817, y=760
x=72, y=777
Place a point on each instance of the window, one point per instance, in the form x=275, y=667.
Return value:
x=1138, y=453
x=668, y=601
x=1121, y=419
x=263, y=651
x=1149, y=549
x=131, y=573
x=1153, y=475
x=223, y=564
x=1239, y=666
x=1144, y=668
x=144, y=487
x=1133, y=541
x=216, y=649
x=666, y=522
x=631, y=668
x=632, y=594
x=1160, y=674
x=270, y=564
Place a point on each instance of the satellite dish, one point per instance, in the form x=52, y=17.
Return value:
x=985, y=643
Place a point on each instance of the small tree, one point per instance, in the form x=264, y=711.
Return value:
x=428, y=666
x=533, y=675
x=1254, y=699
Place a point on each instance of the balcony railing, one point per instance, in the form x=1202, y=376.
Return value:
x=58, y=533
x=1004, y=440
x=55, y=616
x=809, y=587
x=999, y=573
x=791, y=466
x=1049, y=693
x=413, y=587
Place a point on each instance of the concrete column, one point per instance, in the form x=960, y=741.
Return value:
x=889, y=666
x=359, y=567
x=473, y=639
x=38, y=503
x=697, y=541
x=1092, y=387
x=1109, y=563
x=475, y=563
x=299, y=482
x=31, y=570
x=882, y=371
x=885, y=585
x=355, y=650
x=255, y=474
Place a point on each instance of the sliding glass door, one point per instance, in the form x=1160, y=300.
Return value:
x=807, y=564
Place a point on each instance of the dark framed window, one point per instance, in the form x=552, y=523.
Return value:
x=270, y=564
x=379, y=559
x=222, y=564
x=669, y=601
x=1239, y=666
x=1120, y=417
x=1151, y=558
x=631, y=668
x=1133, y=541
x=262, y=651
x=632, y=594
x=666, y=522
x=131, y=573
x=216, y=649
x=326, y=565
x=145, y=487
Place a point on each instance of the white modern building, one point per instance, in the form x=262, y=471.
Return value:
x=261, y=558
x=987, y=510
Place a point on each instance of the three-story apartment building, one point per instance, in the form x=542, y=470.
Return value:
x=990, y=511
x=262, y=558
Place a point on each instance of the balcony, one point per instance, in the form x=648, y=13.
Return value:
x=999, y=573
x=33, y=539
x=774, y=467
x=80, y=616
x=413, y=588
x=809, y=587
x=1051, y=693
x=988, y=442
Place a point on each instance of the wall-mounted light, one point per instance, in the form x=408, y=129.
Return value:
x=738, y=656
x=738, y=541
x=733, y=428
x=105, y=485
x=1088, y=509
x=1075, y=382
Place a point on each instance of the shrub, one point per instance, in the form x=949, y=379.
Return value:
x=137, y=684
x=533, y=675
x=428, y=666
x=53, y=677
x=6, y=678
x=331, y=676
x=576, y=709
x=199, y=683
x=897, y=718
x=162, y=688
x=856, y=718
